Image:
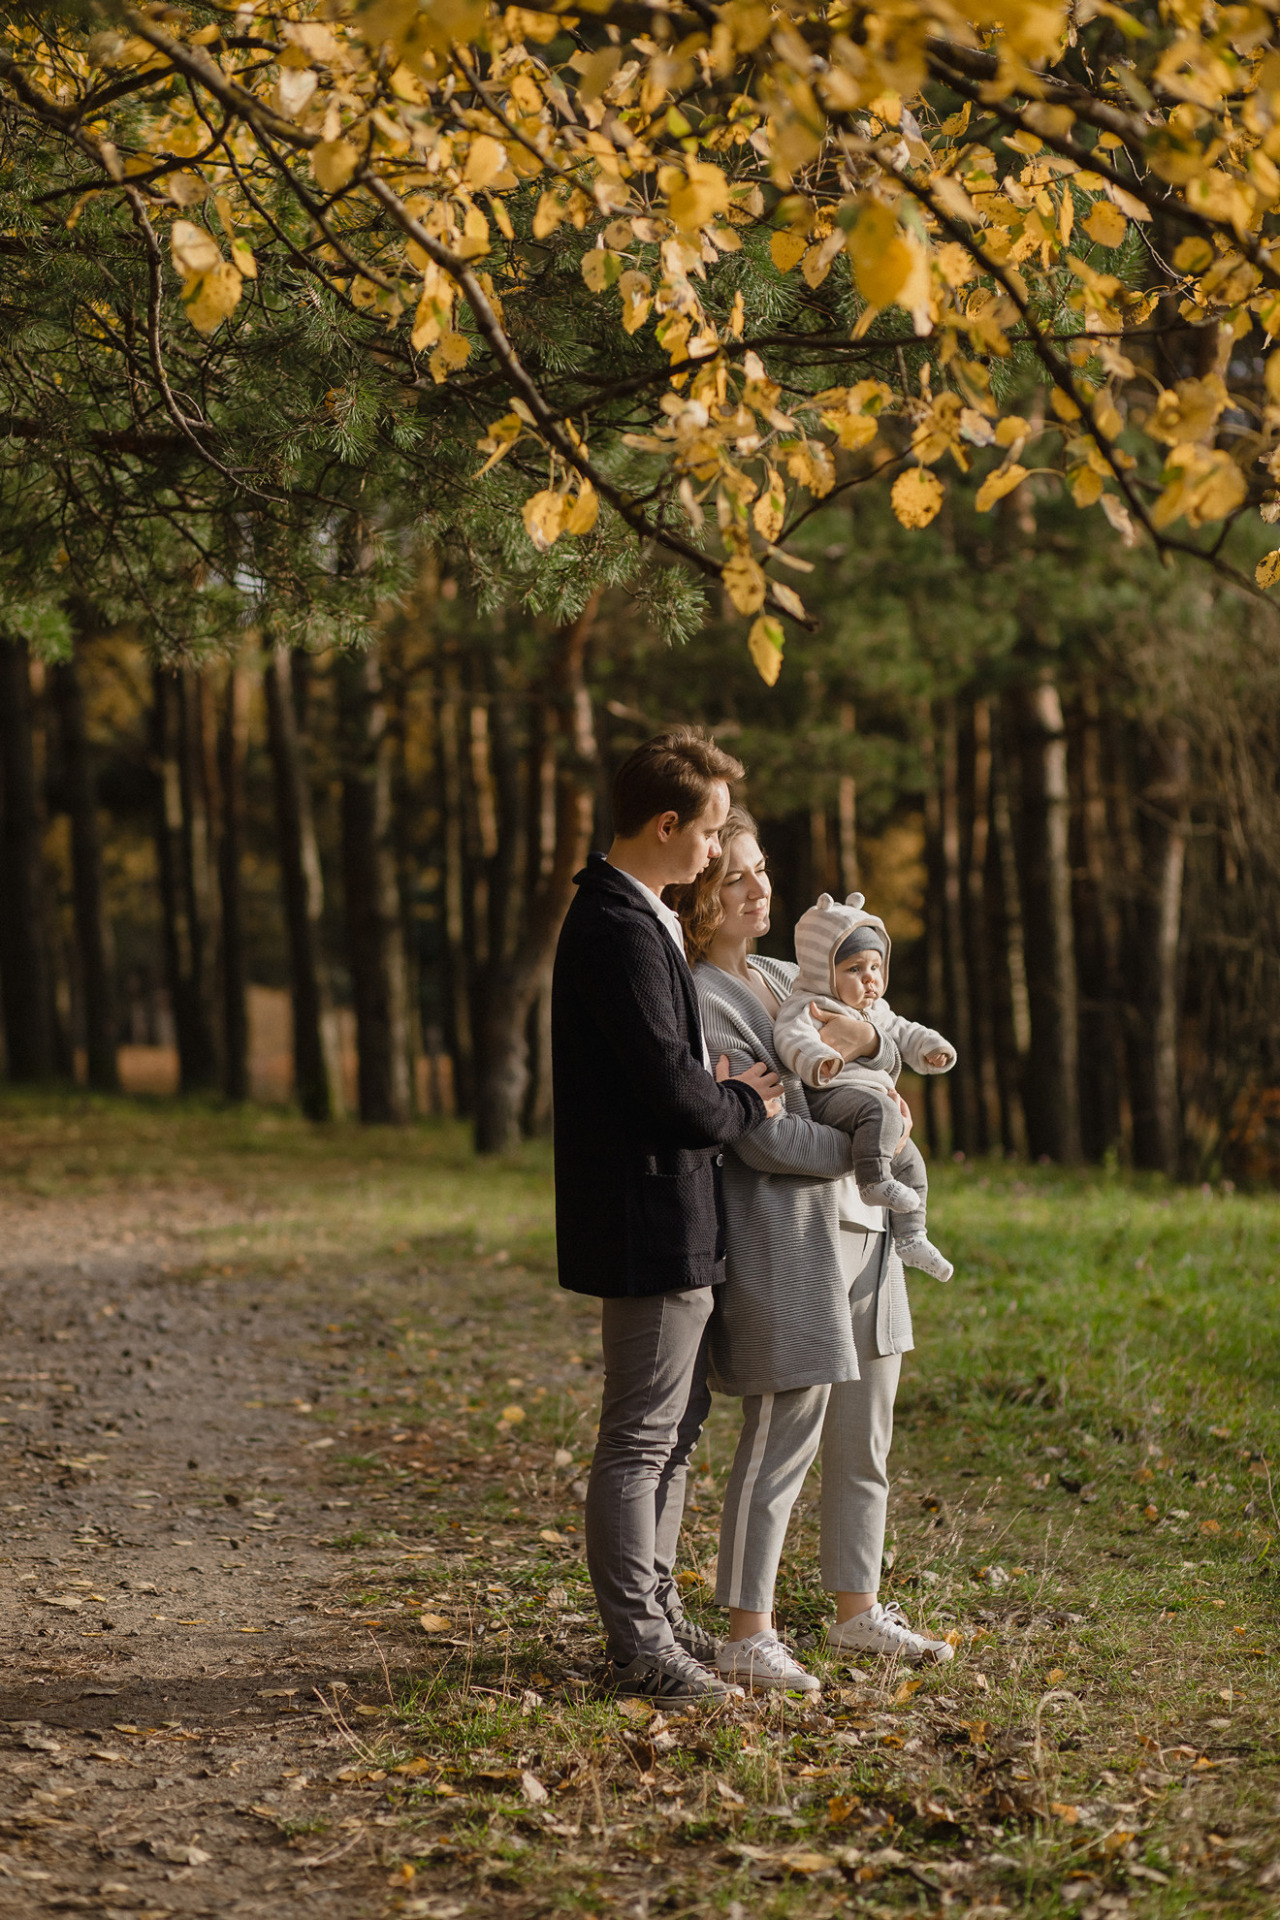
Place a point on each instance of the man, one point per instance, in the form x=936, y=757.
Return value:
x=639, y=1119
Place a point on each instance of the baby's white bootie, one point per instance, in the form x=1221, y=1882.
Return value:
x=890, y=1193
x=921, y=1252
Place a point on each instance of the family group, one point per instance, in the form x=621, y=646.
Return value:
x=737, y=1183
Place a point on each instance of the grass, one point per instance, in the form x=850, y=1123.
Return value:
x=1083, y=1500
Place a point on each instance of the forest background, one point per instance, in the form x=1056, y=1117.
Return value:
x=1049, y=762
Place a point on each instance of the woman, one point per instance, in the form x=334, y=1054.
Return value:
x=812, y=1324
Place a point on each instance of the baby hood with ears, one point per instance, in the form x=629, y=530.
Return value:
x=818, y=934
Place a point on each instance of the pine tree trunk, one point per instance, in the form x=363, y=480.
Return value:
x=233, y=747
x=847, y=812
x=522, y=979
x=1052, y=1089
x=937, y=1094
x=977, y=934
x=457, y=892
x=23, y=972
x=1158, y=1118
x=194, y=1051
x=375, y=947
x=1106, y=1117
x=955, y=946
x=302, y=885
x=1012, y=1009
x=93, y=934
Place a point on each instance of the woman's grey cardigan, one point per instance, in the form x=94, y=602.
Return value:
x=782, y=1316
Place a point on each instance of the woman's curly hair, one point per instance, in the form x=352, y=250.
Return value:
x=698, y=904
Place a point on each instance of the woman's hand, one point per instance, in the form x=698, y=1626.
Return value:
x=851, y=1037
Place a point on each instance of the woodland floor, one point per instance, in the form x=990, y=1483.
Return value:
x=293, y=1428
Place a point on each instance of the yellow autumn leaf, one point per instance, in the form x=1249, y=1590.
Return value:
x=193, y=250
x=744, y=583
x=766, y=641
x=770, y=507
x=434, y=1623
x=453, y=352
x=916, y=496
x=585, y=510
x=1106, y=224
x=1267, y=571
x=544, y=515
x=244, y=260
x=997, y=484
x=1012, y=427
x=635, y=290
x=789, y=600
x=697, y=197
x=882, y=260
x=600, y=269
x=512, y=1416
x=485, y=158
x=550, y=212
x=786, y=249
x=214, y=296
x=333, y=162
x=1086, y=487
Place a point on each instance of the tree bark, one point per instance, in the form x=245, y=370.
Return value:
x=520, y=977
x=977, y=933
x=93, y=933
x=1012, y=1009
x=375, y=945
x=302, y=884
x=1106, y=1119
x=847, y=811
x=1158, y=1116
x=955, y=945
x=457, y=893
x=24, y=986
x=1052, y=1089
x=937, y=1094
x=173, y=845
x=233, y=747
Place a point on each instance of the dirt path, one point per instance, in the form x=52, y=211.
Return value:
x=171, y=1611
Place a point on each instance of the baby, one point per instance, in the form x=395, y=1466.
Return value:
x=844, y=966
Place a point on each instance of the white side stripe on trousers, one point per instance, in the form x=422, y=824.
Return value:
x=741, y=1527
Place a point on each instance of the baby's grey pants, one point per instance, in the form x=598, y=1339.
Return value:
x=873, y=1123
x=852, y=1421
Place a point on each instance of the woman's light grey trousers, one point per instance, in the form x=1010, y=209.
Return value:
x=852, y=1422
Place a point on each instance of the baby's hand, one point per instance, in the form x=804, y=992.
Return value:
x=936, y=1059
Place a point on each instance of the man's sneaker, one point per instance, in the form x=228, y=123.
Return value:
x=921, y=1252
x=696, y=1640
x=889, y=1193
x=672, y=1675
x=761, y=1661
x=883, y=1630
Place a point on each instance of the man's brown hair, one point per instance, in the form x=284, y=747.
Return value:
x=672, y=773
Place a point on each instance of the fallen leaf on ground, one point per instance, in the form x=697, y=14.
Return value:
x=550, y=1534
x=534, y=1791
x=434, y=1623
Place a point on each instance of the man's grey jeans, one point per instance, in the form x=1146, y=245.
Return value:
x=655, y=1401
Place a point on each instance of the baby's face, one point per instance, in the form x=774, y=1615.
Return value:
x=860, y=980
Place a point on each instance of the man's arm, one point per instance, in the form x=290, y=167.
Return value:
x=625, y=986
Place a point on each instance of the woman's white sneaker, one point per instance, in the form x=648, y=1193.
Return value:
x=761, y=1661
x=882, y=1629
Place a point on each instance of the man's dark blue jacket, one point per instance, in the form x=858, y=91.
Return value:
x=638, y=1119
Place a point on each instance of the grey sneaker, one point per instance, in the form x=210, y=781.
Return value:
x=671, y=1675
x=696, y=1640
x=762, y=1662
x=889, y=1193
x=920, y=1252
x=884, y=1630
